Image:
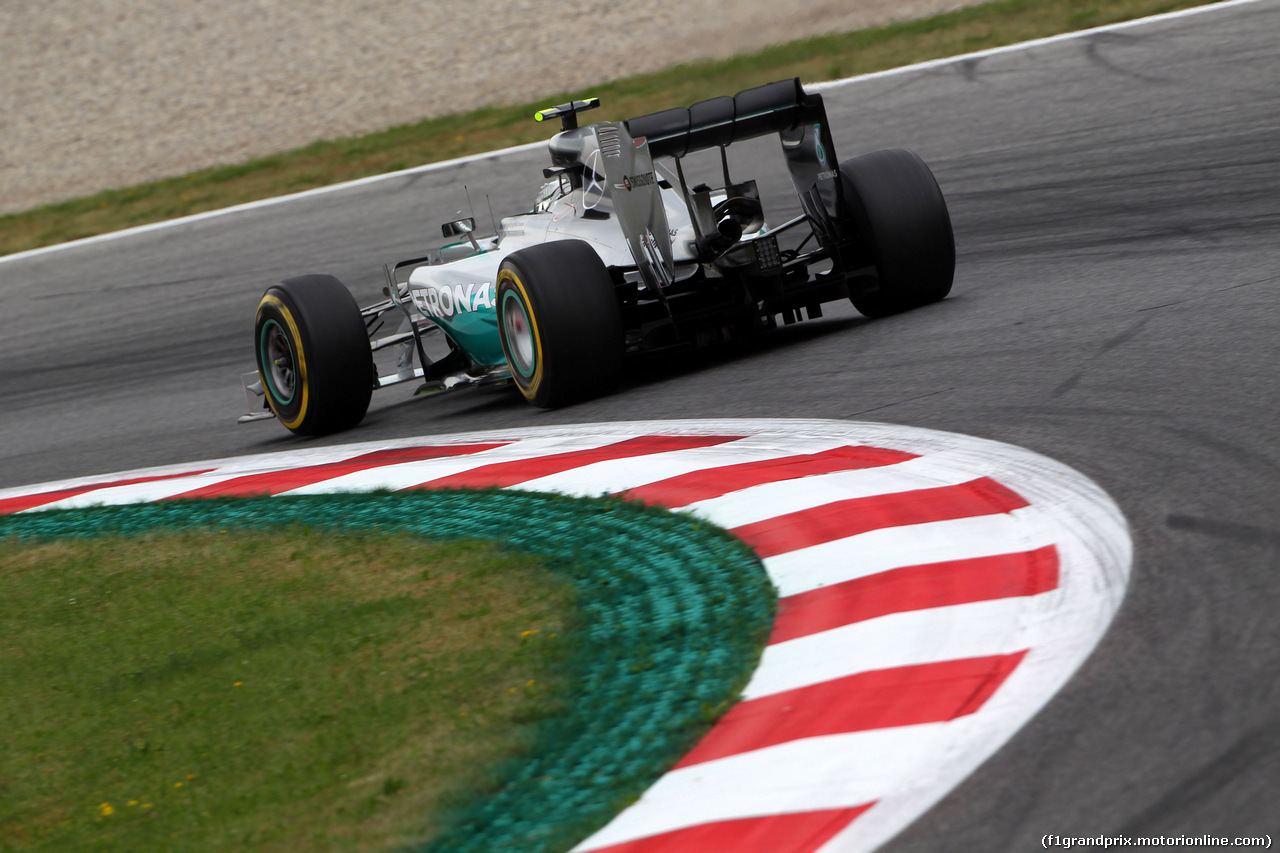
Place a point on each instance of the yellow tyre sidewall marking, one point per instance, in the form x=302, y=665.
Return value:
x=301, y=366
x=531, y=391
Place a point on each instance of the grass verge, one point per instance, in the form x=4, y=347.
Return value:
x=821, y=58
x=138, y=696
x=230, y=691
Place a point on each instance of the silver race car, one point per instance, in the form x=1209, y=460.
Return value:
x=619, y=256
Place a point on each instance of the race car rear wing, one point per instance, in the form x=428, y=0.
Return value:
x=784, y=108
x=771, y=108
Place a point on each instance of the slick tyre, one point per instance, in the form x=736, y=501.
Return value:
x=898, y=212
x=559, y=322
x=313, y=355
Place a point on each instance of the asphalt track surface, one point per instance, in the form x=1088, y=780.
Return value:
x=1116, y=200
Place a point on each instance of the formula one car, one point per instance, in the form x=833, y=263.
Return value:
x=619, y=256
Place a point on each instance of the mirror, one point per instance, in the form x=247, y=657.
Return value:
x=458, y=227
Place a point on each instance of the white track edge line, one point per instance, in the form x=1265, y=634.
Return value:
x=1028, y=45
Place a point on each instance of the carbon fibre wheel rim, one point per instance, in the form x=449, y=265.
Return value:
x=278, y=362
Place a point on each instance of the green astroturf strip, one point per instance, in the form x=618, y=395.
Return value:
x=674, y=613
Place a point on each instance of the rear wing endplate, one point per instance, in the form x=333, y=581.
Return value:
x=798, y=118
x=637, y=201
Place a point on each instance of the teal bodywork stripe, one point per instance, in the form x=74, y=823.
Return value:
x=477, y=333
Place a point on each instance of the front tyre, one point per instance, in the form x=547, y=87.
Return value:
x=313, y=355
x=559, y=322
x=901, y=218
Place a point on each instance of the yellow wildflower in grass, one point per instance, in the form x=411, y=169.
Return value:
x=105, y=809
x=132, y=803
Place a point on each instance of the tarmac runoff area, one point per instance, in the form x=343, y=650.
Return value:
x=936, y=590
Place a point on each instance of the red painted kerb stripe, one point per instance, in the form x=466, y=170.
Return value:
x=880, y=699
x=275, y=482
x=517, y=471
x=707, y=483
x=30, y=501
x=842, y=519
x=916, y=588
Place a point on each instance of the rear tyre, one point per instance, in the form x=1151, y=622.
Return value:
x=313, y=355
x=897, y=209
x=559, y=322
